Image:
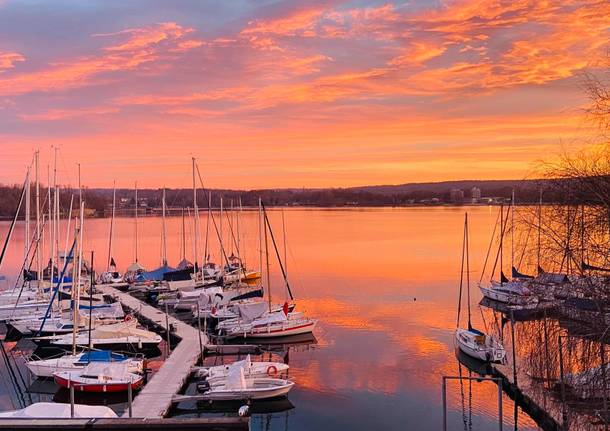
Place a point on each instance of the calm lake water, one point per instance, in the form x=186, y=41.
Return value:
x=383, y=284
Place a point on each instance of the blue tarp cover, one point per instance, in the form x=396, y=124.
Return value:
x=155, y=275
x=101, y=356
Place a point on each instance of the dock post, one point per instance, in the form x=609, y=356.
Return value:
x=71, y=399
x=444, y=404
x=512, y=336
x=169, y=348
x=129, y=398
x=199, y=331
x=602, y=353
x=500, y=409
x=564, y=413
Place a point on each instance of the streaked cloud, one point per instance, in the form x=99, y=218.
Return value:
x=364, y=87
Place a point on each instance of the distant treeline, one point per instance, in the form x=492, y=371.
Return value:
x=526, y=191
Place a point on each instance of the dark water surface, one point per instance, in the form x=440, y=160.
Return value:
x=383, y=284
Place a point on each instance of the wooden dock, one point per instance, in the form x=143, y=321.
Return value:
x=155, y=399
x=118, y=424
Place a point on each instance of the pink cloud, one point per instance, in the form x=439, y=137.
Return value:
x=8, y=60
x=142, y=46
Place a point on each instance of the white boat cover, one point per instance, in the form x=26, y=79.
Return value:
x=58, y=410
x=236, y=380
x=111, y=311
x=193, y=295
x=134, y=267
x=113, y=370
x=252, y=310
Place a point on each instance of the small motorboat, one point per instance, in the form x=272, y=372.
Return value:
x=100, y=377
x=59, y=410
x=45, y=368
x=251, y=370
x=237, y=387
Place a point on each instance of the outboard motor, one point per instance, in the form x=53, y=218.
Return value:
x=203, y=386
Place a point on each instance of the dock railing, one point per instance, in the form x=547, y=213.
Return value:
x=497, y=380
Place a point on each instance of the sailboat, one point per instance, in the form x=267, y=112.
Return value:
x=111, y=275
x=471, y=341
x=272, y=324
x=100, y=377
x=512, y=292
x=124, y=336
x=45, y=368
x=135, y=269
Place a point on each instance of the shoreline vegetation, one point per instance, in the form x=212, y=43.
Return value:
x=448, y=193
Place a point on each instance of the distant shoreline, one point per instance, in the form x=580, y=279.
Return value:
x=176, y=212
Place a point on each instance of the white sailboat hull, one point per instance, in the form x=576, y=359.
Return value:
x=489, y=351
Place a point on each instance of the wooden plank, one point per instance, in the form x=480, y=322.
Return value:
x=155, y=399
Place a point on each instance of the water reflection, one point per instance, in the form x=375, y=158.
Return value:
x=383, y=284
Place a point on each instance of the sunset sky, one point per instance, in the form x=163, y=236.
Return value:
x=269, y=93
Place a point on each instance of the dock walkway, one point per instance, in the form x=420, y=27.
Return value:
x=155, y=399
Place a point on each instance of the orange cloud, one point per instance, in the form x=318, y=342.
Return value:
x=64, y=114
x=8, y=60
x=142, y=46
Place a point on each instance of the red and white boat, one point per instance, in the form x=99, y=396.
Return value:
x=273, y=325
x=100, y=377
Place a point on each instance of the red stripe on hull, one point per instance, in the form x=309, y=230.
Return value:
x=98, y=387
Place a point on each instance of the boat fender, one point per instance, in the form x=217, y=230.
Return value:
x=272, y=370
x=139, y=343
x=244, y=411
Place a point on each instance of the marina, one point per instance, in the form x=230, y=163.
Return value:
x=287, y=215
x=171, y=390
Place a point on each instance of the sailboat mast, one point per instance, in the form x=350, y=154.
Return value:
x=112, y=224
x=55, y=213
x=467, y=270
x=28, y=198
x=221, y=237
x=260, y=236
x=230, y=223
x=501, y=243
x=539, y=229
x=512, y=231
x=268, y=268
x=136, y=224
x=50, y=219
x=74, y=288
x=196, y=218
x=163, y=232
x=207, y=230
x=38, y=249
x=284, y=240
x=183, y=239
x=242, y=253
